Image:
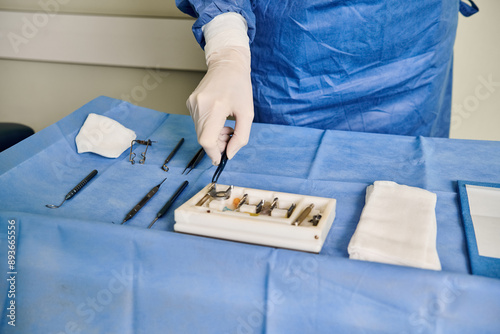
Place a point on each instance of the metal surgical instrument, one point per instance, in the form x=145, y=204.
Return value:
x=273, y=204
x=243, y=200
x=195, y=160
x=76, y=189
x=315, y=219
x=259, y=206
x=303, y=215
x=221, y=195
x=171, y=155
x=220, y=168
x=142, y=202
x=143, y=154
x=169, y=202
x=290, y=210
x=207, y=195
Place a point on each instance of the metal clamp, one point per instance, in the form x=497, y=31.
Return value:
x=221, y=195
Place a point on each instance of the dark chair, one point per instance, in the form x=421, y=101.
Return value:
x=13, y=133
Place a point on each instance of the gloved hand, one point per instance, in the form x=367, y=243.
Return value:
x=226, y=89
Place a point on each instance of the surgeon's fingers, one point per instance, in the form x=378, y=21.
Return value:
x=224, y=136
x=209, y=135
x=241, y=134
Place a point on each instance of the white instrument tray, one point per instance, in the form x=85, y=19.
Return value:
x=219, y=218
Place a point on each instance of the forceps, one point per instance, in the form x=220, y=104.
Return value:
x=225, y=194
x=220, y=168
x=194, y=161
x=212, y=191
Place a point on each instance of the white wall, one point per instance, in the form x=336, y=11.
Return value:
x=154, y=8
x=40, y=93
x=63, y=59
x=476, y=91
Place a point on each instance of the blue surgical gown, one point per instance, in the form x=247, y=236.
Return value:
x=380, y=66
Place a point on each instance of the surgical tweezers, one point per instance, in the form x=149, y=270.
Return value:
x=220, y=168
x=195, y=160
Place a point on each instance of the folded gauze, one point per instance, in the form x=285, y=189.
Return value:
x=397, y=226
x=104, y=136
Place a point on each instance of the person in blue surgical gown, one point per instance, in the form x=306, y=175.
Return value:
x=381, y=66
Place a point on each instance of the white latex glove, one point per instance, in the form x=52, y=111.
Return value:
x=226, y=89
